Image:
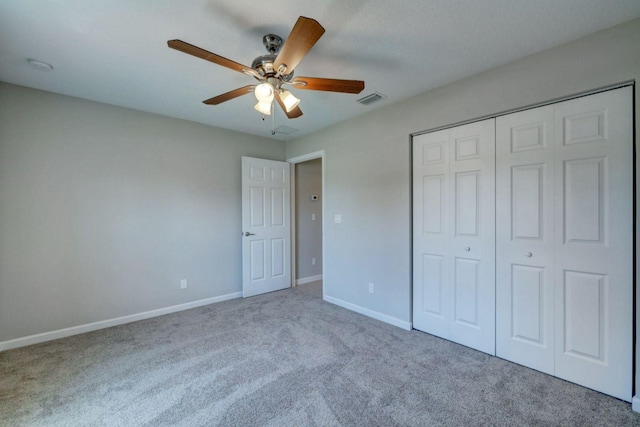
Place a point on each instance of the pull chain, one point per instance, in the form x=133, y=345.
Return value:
x=273, y=119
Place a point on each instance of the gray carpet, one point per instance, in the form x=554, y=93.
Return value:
x=282, y=359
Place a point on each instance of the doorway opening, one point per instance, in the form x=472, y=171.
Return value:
x=307, y=184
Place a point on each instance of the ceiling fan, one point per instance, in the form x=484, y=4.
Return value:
x=274, y=71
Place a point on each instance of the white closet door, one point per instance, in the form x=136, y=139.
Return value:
x=565, y=240
x=431, y=234
x=472, y=203
x=594, y=241
x=525, y=238
x=454, y=234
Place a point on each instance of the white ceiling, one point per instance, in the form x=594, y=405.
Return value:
x=116, y=51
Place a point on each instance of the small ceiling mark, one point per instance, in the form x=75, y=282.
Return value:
x=39, y=65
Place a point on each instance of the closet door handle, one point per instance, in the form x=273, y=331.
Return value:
x=467, y=249
x=529, y=254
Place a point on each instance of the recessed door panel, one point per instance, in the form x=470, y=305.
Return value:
x=466, y=291
x=435, y=152
x=257, y=173
x=585, y=314
x=584, y=200
x=590, y=126
x=527, y=307
x=434, y=188
x=528, y=136
x=257, y=261
x=467, y=209
x=278, y=257
x=278, y=175
x=278, y=207
x=527, y=192
x=256, y=209
x=468, y=148
x=432, y=284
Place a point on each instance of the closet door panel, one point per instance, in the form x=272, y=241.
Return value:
x=524, y=216
x=432, y=261
x=454, y=234
x=594, y=241
x=472, y=166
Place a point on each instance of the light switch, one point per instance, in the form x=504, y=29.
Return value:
x=337, y=218
x=313, y=217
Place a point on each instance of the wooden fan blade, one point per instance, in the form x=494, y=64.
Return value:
x=329, y=85
x=206, y=55
x=303, y=36
x=230, y=95
x=294, y=113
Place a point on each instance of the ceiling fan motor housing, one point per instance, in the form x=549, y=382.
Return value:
x=273, y=43
x=264, y=65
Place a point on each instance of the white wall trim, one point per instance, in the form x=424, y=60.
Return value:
x=635, y=403
x=307, y=157
x=370, y=313
x=88, y=327
x=309, y=279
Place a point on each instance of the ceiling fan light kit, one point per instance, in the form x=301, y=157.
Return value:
x=275, y=70
x=289, y=100
x=264, y=108
x=264, y=92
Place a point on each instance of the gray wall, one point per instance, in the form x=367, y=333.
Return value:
x=104, y=209
x=367, y=162
x=308, y=232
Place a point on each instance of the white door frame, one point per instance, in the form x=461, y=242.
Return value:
x=294, y=249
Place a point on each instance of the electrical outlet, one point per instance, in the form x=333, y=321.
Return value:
x=313, y=261
x=371, y=288
x=183, y=284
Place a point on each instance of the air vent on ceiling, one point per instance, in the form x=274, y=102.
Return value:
x=370, y=99
x=286, y=130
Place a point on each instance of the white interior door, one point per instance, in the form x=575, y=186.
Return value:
x=266, y=231
x=454, y=234
x=525, y=153
x=594, y=241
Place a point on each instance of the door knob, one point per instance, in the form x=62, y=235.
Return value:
x=529, y=254
x=467, y=249
x=246, y=233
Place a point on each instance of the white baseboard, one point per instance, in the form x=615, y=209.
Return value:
x=635, y=403
x=370, y=313
x=88, y=327
x=309, y=279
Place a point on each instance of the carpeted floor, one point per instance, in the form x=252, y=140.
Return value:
x=282, y=359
